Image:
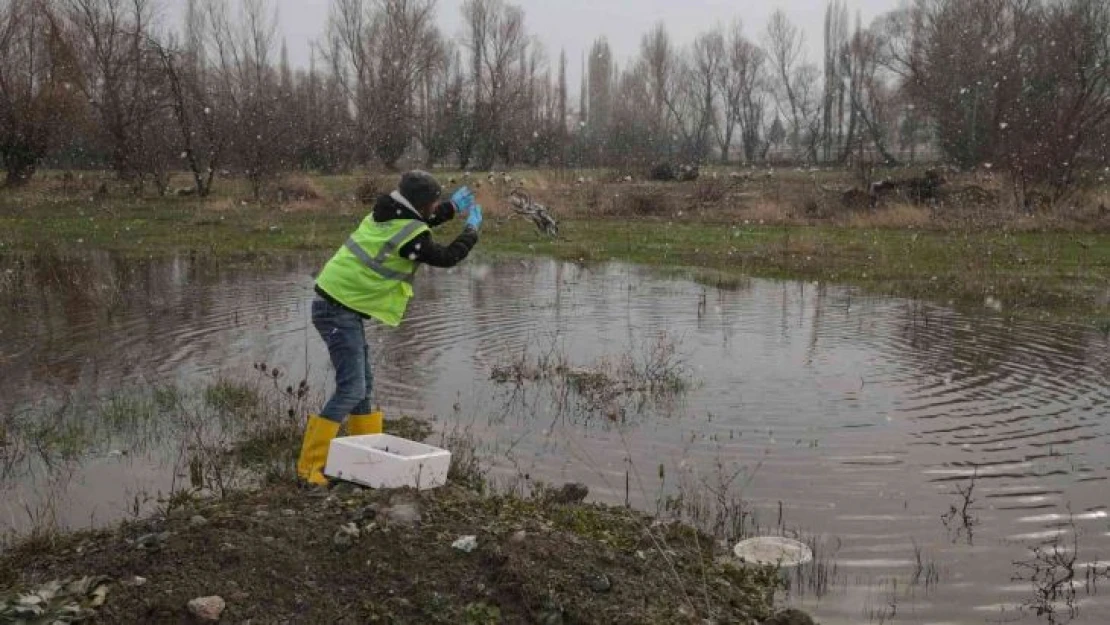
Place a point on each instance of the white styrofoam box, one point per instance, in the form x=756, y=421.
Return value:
x=384, y=461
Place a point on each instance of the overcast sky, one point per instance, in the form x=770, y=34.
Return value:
x=575, y=24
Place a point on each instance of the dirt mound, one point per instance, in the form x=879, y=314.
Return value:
x=360, y=556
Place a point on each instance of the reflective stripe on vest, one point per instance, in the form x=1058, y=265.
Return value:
x=377, y=263
x=368, y=275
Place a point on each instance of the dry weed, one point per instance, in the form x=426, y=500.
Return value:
x=297, y=188
x=766, y=211
x=646, y=201
x=895, y=216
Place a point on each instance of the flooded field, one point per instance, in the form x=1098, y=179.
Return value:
x=948, y=468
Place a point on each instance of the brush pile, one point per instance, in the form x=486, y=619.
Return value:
x=535, y=212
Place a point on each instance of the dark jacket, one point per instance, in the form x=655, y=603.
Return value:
x=423, y=249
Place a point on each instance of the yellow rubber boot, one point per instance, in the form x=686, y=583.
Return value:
x=314, y=450
x=358, y=425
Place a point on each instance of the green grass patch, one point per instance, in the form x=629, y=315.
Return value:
x=269, y=446
x=232, y=397
x=1053, y=272
x=1026, y=273
x=126, y=411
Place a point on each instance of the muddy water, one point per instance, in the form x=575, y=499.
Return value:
x=854, y=420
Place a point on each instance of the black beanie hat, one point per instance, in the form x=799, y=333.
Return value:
x=420, y=188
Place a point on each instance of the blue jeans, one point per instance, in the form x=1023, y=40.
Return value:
x=343, y=333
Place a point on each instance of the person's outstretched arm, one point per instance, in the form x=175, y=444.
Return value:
x=423, y=249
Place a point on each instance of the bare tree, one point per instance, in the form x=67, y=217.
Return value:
x=753, y=106
x=784, y=48
x=478, y=16
x=1024, y=84
x=807, y=90
x=708, y=60
x=600, y=83
x=120, y=78
x=198, y=113
x=201, y=143
x=776, y=134
x=660, y=68
x=631, y=137
x=549, y=143
x=954, y=66
x=462, y=127
x=895, y=33
x=1060, y=107
x=408, y=48
x=534, y=121
x=38, y=83
x=241, y=50
x=498, y=44
x=350, y=55
x=331, y=142
x=433, y=108
x=736, y=79
x=383, y=50
x=836, y=39
x=869, y=97
x=1021, y=83
x=561, y=119
x=583, y=91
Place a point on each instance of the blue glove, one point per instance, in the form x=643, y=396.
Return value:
x=463, y=201
x=475, y=219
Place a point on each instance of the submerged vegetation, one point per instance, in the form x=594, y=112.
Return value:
x=612, y=388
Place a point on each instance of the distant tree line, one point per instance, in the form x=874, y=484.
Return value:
x=1020, y=85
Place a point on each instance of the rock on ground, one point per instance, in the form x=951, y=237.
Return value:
x=403, y=513
x=207, y=609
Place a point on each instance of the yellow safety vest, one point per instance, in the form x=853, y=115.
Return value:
x=368, y=275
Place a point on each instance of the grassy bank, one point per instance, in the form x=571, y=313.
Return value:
x=1038, y=268
x=1025, y=273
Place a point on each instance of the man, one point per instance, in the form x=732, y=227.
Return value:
x=370, y=277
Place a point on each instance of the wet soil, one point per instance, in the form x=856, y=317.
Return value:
x=281, y=555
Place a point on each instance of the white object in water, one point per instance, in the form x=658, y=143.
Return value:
x=385, y=461
x=773, y=550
